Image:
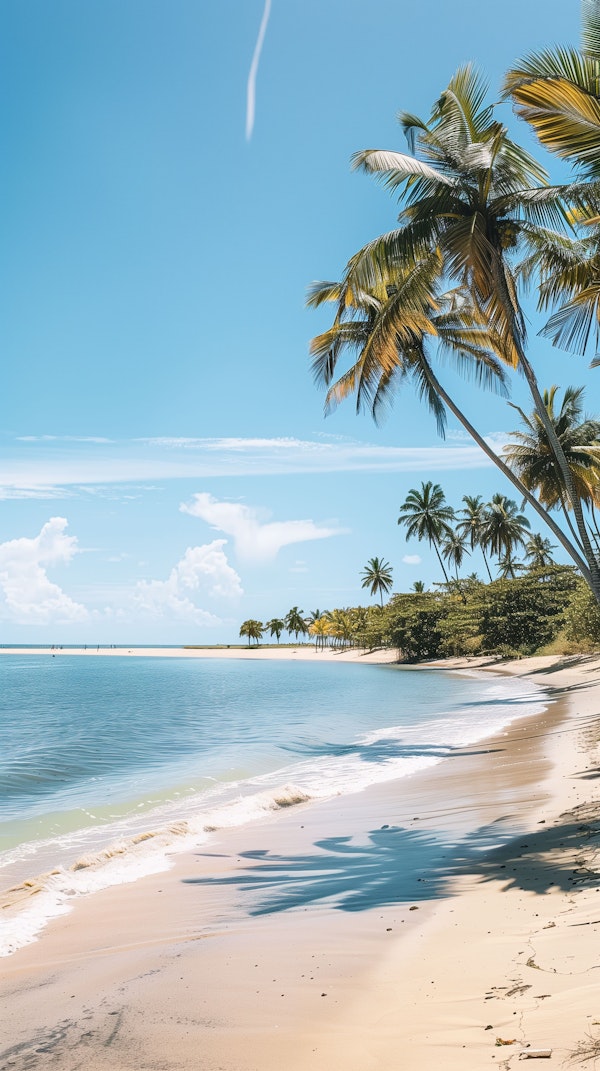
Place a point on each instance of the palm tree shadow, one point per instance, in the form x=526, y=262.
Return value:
x=395, y=866
x=398, y=865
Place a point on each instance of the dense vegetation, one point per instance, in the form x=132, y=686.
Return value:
x=547, y=609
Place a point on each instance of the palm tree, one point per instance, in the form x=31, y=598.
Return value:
x=320, y=629
x=471, y=523
x=377, y=577
x=418, y=587
x=505, y=528
x=454, y=548
x=389, y=303
x=275, y=626
x=427, y=516
x=538, y=551
x=529, y=453
x=294, y=622
x=508, y=566
x=252, y=629
x=479, y=198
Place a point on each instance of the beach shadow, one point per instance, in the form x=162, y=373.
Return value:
x=396, y=865
x=383, y=750
x=399, y=865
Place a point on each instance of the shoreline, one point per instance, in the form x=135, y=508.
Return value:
x=300, y=652
x=378, y=994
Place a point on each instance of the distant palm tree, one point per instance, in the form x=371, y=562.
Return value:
x=530, y=456
x=471, y=523
x=294, y=622
x=454, y=548
x=315, y=615
x=252, y=629
x=427, y=516
x=275, y=626
x=377, y=577
x=418, y=587
x=508, y=566
x=320, y=629
x=538, y=551
x=505, y=528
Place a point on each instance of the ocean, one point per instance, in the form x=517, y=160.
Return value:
x=111, y=765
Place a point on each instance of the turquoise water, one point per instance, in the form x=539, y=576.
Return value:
x=96, y=752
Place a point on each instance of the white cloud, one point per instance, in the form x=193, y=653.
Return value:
x=202, y=570
x=251, y=88
x=253, y=541
x=29, y=597
x=412, y=559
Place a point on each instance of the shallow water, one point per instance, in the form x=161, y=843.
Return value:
x=96, y=753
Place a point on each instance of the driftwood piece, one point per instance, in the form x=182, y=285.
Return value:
x=535, y=1054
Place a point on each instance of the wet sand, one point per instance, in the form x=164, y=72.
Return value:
x=336, y=936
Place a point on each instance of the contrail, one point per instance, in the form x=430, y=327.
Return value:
x=251, y=90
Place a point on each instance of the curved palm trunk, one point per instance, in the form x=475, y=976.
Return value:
x=520, y=487
x=503, y=289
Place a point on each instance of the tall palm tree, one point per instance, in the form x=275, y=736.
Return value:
x=530, y=455
x=275, y=626
x=538, y=551
x=390, y=303
x=377, y=577
x=505, y=528
x=252, y=629
x=294, y=622
x=427, y=516
x=471, y=523
x=478, y=197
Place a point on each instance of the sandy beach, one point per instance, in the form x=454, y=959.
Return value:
x=282, y=945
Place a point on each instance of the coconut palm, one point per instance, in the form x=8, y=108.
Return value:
x=377, y=577
x=538, y=551
x=530, y=455
x=454, y=548
x=480, y=199
x=320, y=629
x=508, y=566
x=252, y=629
x=427, y=516
x=294, y=622
x=418, y=587
x=471, y=521
x=505, y=528
x=275, y=626
x=390, y=304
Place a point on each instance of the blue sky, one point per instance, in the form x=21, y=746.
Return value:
x=165, y=469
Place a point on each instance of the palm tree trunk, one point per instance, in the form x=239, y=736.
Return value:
x=440, y=560
x=509, y=305
x=520, y=487
x=486, y=562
